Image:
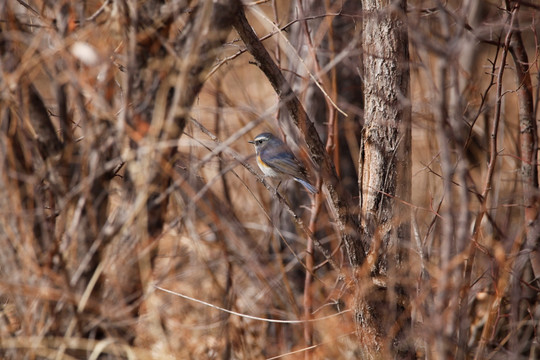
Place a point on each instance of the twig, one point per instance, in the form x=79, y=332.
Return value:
x=311, y=75
x=265, y=37
x=249, y=316
x=308, y=290
x=308, y=348
x=98, y=11
x=316, y=205
x=28, y=7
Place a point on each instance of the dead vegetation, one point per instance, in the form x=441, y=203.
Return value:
x=133, y=221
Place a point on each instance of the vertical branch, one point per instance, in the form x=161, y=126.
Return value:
x=528, y=138
x=447, y=226
x=218, y=123
x=494, y=304
x=451, y=136
x=308, y=291
x=528, y=135
x=333, y=153
x=384, y=171
x=277, y=52
x=331, y=142
x=166, y=72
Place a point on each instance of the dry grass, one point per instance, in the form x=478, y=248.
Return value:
x=79, y=263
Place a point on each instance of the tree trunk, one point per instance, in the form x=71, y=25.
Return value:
x=385, y=172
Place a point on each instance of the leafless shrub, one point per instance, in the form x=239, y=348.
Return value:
x=133, y=224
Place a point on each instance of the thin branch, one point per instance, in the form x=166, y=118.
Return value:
x=294, y=322
x=490, y=322
x=314, y=77
x=309, y=347
x=99, y=11
x=28, y=7
x=277, y=30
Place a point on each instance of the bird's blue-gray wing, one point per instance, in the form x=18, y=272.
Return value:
x=283, y=162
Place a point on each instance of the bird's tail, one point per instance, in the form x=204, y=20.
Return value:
x=312, y=189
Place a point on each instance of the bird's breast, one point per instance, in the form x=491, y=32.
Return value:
x=267, y=170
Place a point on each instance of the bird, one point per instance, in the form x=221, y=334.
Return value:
x=276, y=160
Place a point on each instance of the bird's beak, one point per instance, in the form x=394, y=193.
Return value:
x=251, y=142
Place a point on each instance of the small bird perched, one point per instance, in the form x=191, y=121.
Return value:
x=278, y=161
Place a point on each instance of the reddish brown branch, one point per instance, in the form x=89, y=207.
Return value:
x=491, y=319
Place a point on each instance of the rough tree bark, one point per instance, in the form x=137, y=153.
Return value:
x=384, y=171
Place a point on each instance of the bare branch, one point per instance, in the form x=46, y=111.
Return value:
x=338, y=201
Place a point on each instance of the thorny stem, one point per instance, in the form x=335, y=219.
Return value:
x=490, y=323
